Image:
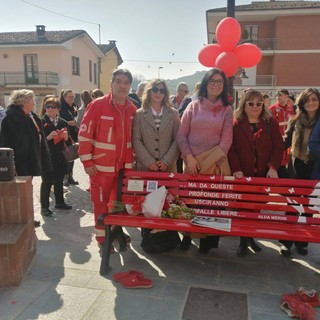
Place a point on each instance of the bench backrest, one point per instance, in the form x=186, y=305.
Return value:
x=246, y=198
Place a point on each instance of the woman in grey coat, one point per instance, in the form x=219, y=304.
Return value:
x=154, y=130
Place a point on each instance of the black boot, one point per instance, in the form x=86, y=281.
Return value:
x=204, y=246
x=254, y=246
x=243, y=247
x=71, y=180
x=185, y=243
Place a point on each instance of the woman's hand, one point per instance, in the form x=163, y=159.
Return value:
x=72, y=123
x=51, y=135
x=64, y=135
x=238, y=174
x=272, y=173
x=153, y=167
x=193, y=166
x=162, y=166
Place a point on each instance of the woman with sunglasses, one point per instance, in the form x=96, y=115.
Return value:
x=205, y=136
x=257, y=147
x=154, y=130
x=56, y=133
x=154, y=142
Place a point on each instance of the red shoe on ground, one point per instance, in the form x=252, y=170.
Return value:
x=138, y=282
x=297, y=309
x=121, y=275
x=311, y=297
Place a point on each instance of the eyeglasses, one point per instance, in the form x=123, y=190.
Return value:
x=160, y=90
x=216, y=82
x=185, y=91
x=51, y=106
x=252, y=104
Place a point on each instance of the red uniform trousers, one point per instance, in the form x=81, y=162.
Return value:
x=103, y=190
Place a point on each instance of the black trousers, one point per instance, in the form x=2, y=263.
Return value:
x=303, y=171
x=47, y=182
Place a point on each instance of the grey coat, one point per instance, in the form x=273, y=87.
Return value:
x=151, y=145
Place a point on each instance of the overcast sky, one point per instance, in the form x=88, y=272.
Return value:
x=149, y=33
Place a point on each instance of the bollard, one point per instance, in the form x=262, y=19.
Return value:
x=6, y=164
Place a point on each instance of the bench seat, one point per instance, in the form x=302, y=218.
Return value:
x=279, y=209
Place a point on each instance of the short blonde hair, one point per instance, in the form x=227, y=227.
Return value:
x=247, y=95
x=19, y=97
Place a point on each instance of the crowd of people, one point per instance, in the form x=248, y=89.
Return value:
x=149, y=130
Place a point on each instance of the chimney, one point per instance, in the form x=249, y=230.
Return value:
x=41, y=31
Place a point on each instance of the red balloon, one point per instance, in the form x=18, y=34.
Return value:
x=208, y=55
x=228, y=33
x=227, y=61
x=248, y=54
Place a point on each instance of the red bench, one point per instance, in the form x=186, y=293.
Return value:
x=256, y=206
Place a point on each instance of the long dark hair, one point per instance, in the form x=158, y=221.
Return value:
x=302, y=100
x=203, y=92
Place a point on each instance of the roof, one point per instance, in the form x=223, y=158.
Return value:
x=105, y=48
x=31, y=37
x=273, y=5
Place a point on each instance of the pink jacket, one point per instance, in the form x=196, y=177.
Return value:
x=205, y=125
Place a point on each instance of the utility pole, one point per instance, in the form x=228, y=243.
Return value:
x=231, y=14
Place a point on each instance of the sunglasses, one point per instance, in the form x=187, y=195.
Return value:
x=160, y=90
x=252, y=104
x=51, y=106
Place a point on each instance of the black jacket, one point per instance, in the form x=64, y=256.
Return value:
x=69, y=113
x=59, y=162
x=31, y=153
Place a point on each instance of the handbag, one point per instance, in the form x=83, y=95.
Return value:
x=71, y=152
x=159, y=242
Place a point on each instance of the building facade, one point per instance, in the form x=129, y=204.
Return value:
x=49, y=61
x=287, y=34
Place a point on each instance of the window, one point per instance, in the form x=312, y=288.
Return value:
x=251, y=33
x=90, y=70
x=75, y=66
x=31, y=69
x=95, y=73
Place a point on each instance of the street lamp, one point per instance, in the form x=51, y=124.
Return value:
x=159, y=71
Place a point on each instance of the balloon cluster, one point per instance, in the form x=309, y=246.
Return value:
x=227, y=55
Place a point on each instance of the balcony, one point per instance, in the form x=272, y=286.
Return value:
x=258, y=81
x=265, y=44
x=42, y=78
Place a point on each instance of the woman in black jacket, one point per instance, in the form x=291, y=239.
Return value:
x=56, y=132
x=22, y=131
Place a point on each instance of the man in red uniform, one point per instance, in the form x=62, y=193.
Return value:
x=105, y=143
x=282, y=111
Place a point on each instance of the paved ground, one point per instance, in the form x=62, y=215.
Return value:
x=64, y=282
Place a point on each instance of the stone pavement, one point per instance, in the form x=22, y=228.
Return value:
x=64, y=282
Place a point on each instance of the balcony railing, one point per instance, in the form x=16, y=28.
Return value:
x=270, y=44
x=261, y=81
x=42, y=78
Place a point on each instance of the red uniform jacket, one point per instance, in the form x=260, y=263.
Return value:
x=282, y=114
x=105, y=135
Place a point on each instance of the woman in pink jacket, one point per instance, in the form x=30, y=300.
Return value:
x=206, y=126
